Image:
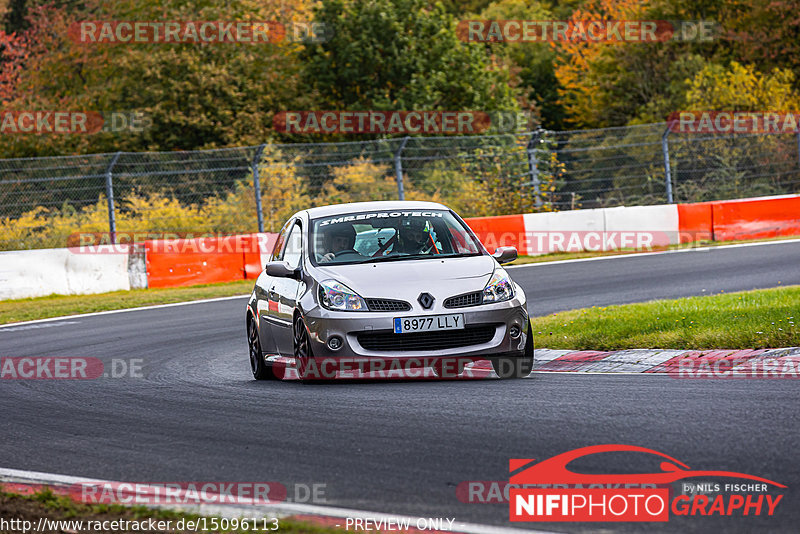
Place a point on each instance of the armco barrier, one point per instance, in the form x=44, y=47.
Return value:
x=574, y=231
x=37, y=273
x=500, y=231
x=695, y=222
x=542, y=233
x=32, y=273
x=556, y=228
x=756, y=218
x=185, y=262
x=660, y=222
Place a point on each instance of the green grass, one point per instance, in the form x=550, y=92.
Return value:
x=12, y=311
x=765, y=318
x=58, y=507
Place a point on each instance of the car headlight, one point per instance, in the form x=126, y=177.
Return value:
x=335, y=295
x=499, y=288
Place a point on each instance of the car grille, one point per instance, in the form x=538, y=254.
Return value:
x=436, y=340
x=462, y=301
x=387, y=305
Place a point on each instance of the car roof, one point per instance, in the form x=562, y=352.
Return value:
x=355, y=207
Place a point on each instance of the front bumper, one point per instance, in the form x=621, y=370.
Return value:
x=324, y=324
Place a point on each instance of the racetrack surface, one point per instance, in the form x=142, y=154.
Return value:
x=400, y=447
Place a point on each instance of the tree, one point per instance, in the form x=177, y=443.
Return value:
x=283, y=192
x=742, y=88
x=530, y=65
x=13, y=53
x=193, y=95
x=613, y=84
x=765, y=33
x=590, y=72
x=400, y=55
x=361, y=181
x=460, y=8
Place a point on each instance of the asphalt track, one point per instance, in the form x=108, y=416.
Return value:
x=401, y=447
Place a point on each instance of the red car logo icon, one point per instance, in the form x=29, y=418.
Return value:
x=554, y=470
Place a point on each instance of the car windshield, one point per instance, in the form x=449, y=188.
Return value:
x=376, y=236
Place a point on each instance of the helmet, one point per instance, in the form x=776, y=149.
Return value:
x=416, y=227
x=345, y=231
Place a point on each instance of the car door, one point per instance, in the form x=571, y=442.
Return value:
x=284, y=291
x=265, y=287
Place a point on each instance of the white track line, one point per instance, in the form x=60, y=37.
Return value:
x=109, y=312
x=640, y=254
x=589, y=373
x=232, y=511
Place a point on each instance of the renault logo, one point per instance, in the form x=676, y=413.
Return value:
x=426, y=300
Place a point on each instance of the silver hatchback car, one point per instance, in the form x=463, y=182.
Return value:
x=386, y=285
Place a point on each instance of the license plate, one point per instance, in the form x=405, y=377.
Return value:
x=405, y=325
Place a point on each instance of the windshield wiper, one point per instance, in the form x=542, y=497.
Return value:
x=418, y=257
x=463, y=254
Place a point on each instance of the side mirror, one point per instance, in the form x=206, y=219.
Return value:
x=505, y=254
x=281, y=269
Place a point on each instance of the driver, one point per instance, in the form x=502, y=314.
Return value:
x=415, y=237
x=338, y=239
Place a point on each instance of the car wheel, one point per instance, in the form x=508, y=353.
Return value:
x=302, y=349
x=516, y=367
x=261, y=371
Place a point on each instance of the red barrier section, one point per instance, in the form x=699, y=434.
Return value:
x=186, y=262
x=695, y=222
x=756, y=218
x=251, y=260
x=255, y=259
x=500, y=231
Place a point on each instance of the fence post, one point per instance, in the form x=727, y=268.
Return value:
x=257, y=186
x=667, y=171
x=398, y=169
x=112, y=221
x=798, y=146
x=533, y=167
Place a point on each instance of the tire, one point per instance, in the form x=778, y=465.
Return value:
x=519, y=366
x=261, y=371
x=302, y=349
